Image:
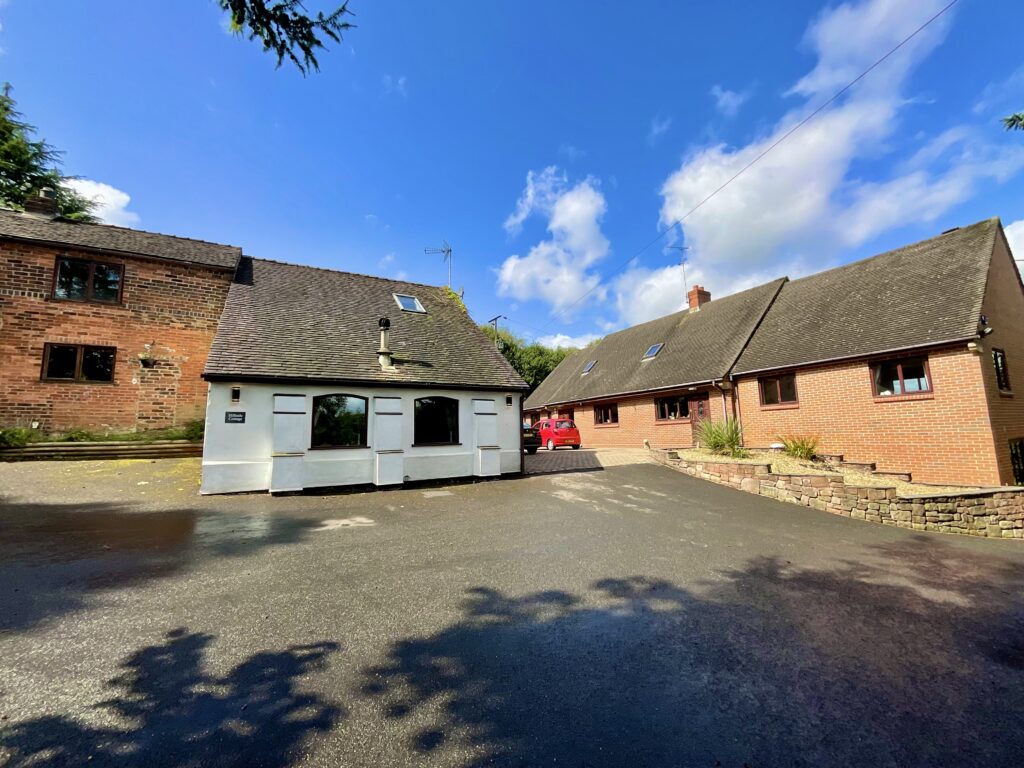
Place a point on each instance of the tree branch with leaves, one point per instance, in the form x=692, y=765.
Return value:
x=1014, y=122
x=286, y=29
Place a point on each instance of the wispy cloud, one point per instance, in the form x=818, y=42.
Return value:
x=571, y=151
x=659, y=126
x=1015, y=236
x=394, y=85
x=728, y=102
x=566, y=341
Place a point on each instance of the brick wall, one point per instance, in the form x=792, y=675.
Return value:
x=941, y=437
x=1004, y=307
x=174, y=307
x=637, y=423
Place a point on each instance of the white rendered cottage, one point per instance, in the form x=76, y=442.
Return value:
x=321, y=378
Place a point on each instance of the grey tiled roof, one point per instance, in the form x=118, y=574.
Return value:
x=699, y=347
x=921, y=294
x=285, y=321
x=105, y=237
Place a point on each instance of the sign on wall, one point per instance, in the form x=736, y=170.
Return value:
x=234, y=417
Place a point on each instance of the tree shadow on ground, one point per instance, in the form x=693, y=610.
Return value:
x=53, y=555
x=910, y=657
x=166, y=711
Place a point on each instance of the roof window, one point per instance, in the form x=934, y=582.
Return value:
x=587, y=368
x=652, y=351
x=409, y=303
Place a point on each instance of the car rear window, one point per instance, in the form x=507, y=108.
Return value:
x=564, y=425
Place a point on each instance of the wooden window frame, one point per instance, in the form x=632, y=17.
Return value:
x=79, y=356
x=1017, y=459
x=903, y=393
x=93, y=263
x=1002, y=371
x=794, y=403
x=657, y=409
x=364, y=443
x=458, y=421
x=599, y=423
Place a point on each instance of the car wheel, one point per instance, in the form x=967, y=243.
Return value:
x=576, y=447
x=551, y=444
x=531, y=451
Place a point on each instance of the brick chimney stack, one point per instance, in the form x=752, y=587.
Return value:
x=42, y=204
x=697, y=296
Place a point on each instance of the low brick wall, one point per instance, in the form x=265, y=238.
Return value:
x=995, y=513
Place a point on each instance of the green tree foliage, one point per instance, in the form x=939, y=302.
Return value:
x=532, y=361
x=28, y=165
x=286, y=29
x=1014, y=122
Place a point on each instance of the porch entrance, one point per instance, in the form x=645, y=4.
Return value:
x=700, y=409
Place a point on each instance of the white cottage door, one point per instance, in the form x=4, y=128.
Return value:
x=389, y=468
x=289, y=444
x=487, y=452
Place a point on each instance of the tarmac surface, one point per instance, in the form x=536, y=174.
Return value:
x=627, y=615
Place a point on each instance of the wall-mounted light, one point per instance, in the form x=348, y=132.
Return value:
x=984, y=329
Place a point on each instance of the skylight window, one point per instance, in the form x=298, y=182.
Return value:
x=588, y=366
x=652, y=350
x=409, y=303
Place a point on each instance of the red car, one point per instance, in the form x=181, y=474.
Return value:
x=556, y=432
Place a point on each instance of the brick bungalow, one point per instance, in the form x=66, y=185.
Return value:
x=103, y=327
x=904, y=359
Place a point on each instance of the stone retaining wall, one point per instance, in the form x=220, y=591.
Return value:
x=997, y=513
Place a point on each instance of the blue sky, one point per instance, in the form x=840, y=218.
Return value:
x=548, y=142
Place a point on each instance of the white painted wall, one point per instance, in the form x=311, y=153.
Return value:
x=240, y=457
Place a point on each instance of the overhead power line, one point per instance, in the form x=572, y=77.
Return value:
x=759, y=157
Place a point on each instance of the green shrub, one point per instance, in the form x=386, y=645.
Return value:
x=800, y=446
x=723, y=438
x=194, y=430
x=15, y=437
x=78, y=436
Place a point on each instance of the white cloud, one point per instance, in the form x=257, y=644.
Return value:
x=557, y=270
x=564, y=340
x=571, y=151
x=392, y=84
x=659, y=126
x=1001, y=98
x=823, y=189
x=386, y=260
x=112, y=203
x=1015, y=236
x=728, y=102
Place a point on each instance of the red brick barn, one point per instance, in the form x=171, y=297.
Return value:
x=103, y=327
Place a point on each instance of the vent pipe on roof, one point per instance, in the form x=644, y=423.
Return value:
x=697, y=296
x=384, y=353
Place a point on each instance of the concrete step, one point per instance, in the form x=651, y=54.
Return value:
x=895, y=475
x=832, y=458
x=862, y=466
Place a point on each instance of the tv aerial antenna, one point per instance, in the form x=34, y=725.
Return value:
x=447, y=251
x=682, y=262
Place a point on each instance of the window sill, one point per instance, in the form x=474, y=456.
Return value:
x=606, y=426
x=665, y=422
x=338, y=447
x=89, y=302
x=432, y=445
x=77, y=381
x=1006, y=393
x=904, y=398
x=780, y=407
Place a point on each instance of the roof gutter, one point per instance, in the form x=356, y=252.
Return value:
x=859, y=355
x=268, y=379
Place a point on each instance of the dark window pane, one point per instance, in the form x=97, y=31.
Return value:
x=339, y=420
x=62, y=361
x=770, y=391
x=106, y=282
x=914, y=377
x=1002, y=374
x=72, y=279
x=887, y=378
x=436, y=420
x=98, y=364
x=787, y=388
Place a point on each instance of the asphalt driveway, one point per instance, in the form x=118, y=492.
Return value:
x=629, y=615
